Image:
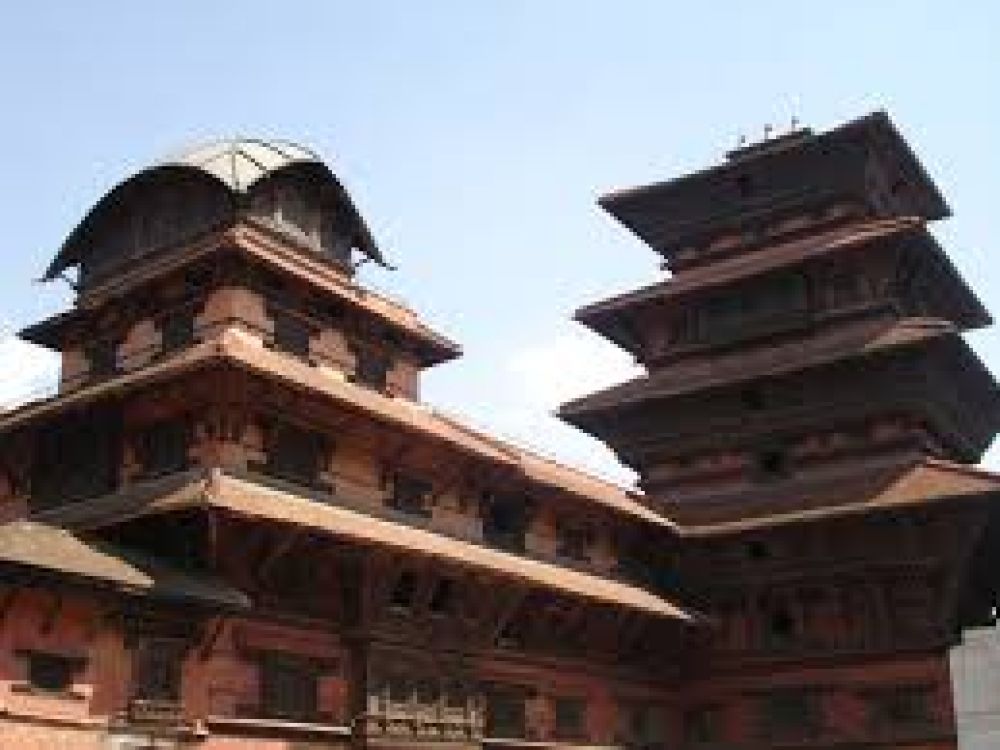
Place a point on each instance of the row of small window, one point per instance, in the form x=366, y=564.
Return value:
x=291, y=334
x=289, y=685
x=798, y=714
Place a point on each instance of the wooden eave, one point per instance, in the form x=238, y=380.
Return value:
x=864, y=338
x=248, y=499
x=619, y=318
x=237, y=348
x=263, y=243
x=29, y=549
x=842, y=493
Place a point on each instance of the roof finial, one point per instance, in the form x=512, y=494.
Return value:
x=768, y=129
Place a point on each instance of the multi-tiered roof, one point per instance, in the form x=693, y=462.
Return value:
x=805, y=354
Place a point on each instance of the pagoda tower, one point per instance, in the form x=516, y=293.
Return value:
x=810, y=417
x=288, y=548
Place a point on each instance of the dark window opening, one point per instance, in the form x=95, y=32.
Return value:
x=102, y=358
x=52, y=673
x=372, y=368
x=752, y=399
x=411, y=494
x=76, y=459
x=745, y=185
x=288, y=688
x=505, y=713
x=177, y=330
x=575, y=541
x=164, y=447
x=505, y=522
x=443, y=597
x=295, y=454
x=570, y=715
x=291, y=333
x=701, y=726
x=904, y=707
x=758, y=550
x=791, y=713
x=781, y=627
x=158, y=670
x=404, y=591
x=772, y=464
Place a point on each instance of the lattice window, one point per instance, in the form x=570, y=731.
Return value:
x=790, y=714
x=295, y=454
x=703, y=726
x=505, y=712
x=157, y=670
x=411, y=494
x=570, y=717
x=575, y=541
x=291, y=333
x=78, y=458
x=102, y=358
x=164, y=447
x=372, y=368
x=177, y=330
x=902, y=708
x=51, y=673
x=288, y=688
x=505, y=522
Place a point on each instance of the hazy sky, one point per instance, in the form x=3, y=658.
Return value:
x=475, y=138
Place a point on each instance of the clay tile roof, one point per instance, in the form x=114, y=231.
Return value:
x=29, y=545
x=250, y=499
x=244, y=350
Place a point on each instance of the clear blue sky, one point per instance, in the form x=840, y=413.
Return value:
x=475, y=137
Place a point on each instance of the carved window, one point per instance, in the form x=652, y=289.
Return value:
x=791, y=713
x=901, y=708
x=411, y=494
x=291, y=333
x=570, y=718
x=164, y=447
x=640, y=725
x=702, y=726
x=288, y=688
x=505, y=521
x=51, y=673
x=505, y=712
x=404, y=591
x=157, y=669
x=575, y=541
x=78, y=458
x=372, y=368
x=295, y=454
x=177, y=330
x=443, y=597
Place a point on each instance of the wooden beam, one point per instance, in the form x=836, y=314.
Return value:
x=279, y=550
x=213, y=636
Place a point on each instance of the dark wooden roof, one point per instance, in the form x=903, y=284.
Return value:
x=618, y=317
x=834, y=491
x=29, y=549
x=861, y=339
x=689, y=209
x=235, y=166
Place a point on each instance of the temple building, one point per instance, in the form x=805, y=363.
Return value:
x=236, y=525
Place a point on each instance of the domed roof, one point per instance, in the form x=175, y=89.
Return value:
x=235, y=165
x=240, y=162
